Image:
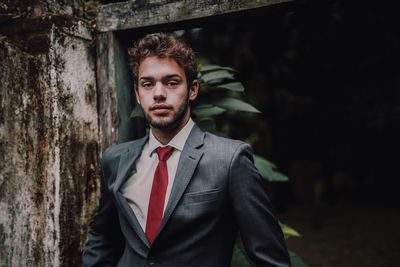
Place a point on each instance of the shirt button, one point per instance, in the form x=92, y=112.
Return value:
x=151, y=260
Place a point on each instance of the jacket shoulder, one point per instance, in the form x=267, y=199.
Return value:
x=223, y=145
x=215, y=139
x=116, y=150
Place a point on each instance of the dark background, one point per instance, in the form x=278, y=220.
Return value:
x=325, y=75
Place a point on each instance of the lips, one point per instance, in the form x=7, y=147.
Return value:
x=160, y=108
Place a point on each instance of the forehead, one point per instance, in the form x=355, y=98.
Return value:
x=159, y=67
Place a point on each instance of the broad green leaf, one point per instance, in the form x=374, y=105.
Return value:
x=277, y=177
x=137, y=112
x=235, y=104
x=289, y=231
x=207, y=110
x=240, y=258
x=179, y=33
x=210, y=67
x=216, y=75
x=235, y=86
x=267, y=171
x=296, y=260
x=266, y=163
x=214, y=83
x=207, y=124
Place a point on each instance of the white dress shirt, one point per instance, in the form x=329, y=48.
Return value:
x=137, y=188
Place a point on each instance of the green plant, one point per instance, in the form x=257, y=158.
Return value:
x=220, y=92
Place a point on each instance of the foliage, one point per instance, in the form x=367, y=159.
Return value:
x=219, y=93
x=240, y=257
x=289, y=231
x=296, y=260
x=267, y=170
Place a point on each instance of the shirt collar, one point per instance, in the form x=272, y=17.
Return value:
x=177, y=142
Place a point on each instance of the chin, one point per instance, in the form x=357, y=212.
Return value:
x=163, y=123
x=169, y=122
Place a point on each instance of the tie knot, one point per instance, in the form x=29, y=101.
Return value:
x=164, y=152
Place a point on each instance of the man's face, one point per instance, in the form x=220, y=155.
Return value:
x=163, y=93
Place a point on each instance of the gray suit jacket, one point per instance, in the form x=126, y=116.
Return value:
x=217, y=192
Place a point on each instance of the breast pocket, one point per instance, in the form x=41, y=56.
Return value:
x=201, y=196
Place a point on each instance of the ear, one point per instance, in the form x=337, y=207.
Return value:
x=193, y=90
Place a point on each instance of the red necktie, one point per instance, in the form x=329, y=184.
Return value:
x=158, y=191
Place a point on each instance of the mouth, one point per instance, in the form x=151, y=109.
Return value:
x=160, y=109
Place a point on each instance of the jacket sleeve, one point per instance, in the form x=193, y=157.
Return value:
x=105, y=241
x=259, y=229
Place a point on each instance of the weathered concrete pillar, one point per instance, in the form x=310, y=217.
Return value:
x=48, y=145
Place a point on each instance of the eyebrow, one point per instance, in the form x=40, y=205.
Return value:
x=163, y=78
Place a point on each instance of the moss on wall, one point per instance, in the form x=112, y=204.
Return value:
x=48, y=145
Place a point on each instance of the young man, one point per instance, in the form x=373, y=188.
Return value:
x=179, y=196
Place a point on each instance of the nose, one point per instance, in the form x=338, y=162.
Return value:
x=159, y=91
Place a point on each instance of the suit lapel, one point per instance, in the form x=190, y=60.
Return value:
x=127, y=161
x=125, y=168
x=188, y=161
x=131, y=217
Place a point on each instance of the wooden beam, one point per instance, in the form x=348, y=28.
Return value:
x=115, y=94
x=141, y=13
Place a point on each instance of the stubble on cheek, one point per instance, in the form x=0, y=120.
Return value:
x=168, y=122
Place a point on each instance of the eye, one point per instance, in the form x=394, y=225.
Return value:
x=147, y=84
x=172, y=83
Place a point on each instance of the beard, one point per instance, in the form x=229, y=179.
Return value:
x=168, y=123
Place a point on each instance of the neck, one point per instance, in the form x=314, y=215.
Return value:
x=165, y=135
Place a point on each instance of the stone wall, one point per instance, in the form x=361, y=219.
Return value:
x=48, y=143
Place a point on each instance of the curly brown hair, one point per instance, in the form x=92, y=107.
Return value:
x=163, y=45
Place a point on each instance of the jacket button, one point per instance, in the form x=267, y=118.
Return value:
x=151, y=260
